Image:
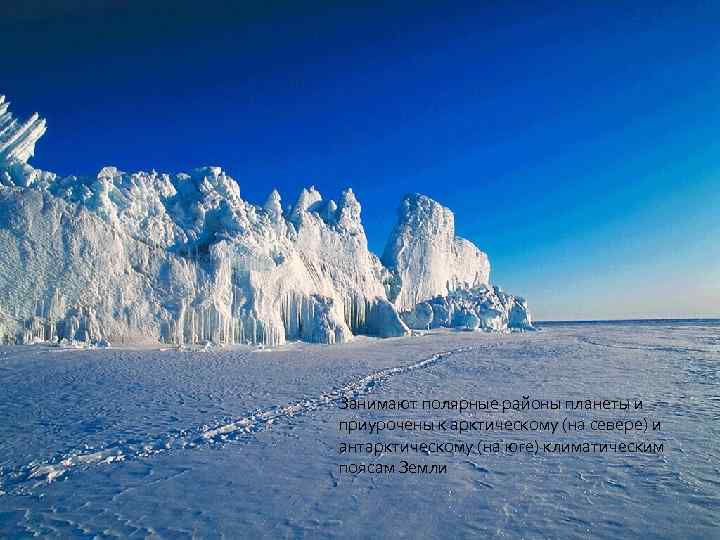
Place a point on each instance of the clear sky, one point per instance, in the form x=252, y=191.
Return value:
x=579, y=146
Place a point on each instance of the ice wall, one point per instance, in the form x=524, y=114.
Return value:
x=148, y=256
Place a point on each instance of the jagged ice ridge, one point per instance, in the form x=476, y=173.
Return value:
x=148, y=257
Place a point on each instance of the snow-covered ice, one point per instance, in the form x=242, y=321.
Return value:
x=426, y=255
x=243, y=443
x=184, y=259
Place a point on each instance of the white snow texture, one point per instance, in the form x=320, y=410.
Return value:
x=148, y=257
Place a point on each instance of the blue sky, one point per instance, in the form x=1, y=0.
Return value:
x=578, y=146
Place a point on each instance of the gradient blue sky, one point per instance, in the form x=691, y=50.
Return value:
x=579, y=146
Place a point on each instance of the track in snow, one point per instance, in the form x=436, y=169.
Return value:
x=23, y=480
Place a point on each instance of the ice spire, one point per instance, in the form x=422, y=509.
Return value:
x=308, y=197
x=349, y=211
x=273, y=205
x=17, y=140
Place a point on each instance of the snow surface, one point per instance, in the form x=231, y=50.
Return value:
x=242, y=443
x=153, y=257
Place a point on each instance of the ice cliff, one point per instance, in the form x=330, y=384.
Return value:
x=148, y=257
x=426, y=256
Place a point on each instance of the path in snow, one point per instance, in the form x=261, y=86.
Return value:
x=24, y=479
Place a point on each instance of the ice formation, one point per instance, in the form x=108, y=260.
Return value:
x=148, y=256
x=483, y=307
x=17, y=141
x=426, y=256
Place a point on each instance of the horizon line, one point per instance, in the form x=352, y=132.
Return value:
x=652, y=319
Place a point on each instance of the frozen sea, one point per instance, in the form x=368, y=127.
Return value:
x=243, y=443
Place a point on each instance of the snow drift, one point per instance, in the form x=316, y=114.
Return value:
x=182, y=258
